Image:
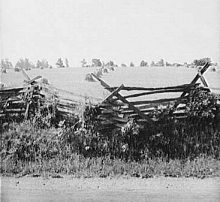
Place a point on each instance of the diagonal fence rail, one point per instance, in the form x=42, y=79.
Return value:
x=117, y=109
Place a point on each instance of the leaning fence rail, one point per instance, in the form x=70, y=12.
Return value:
x=116, y=109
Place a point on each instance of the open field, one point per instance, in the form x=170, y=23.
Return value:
x=73, y=79
x=116, y=189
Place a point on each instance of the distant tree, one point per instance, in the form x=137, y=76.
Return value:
x=6, y=64
x=161, y=63
x=38, y=64
x=131, y=64
x=111, y=63
x=96, y=63
x=59, y=63
x=201, y=62
x=185, y=64
x=66, y=62
x=143, y=64
x=42, y=64
x=152, y=64
x=123, y=65
x=168, y=64
x=83, y=62
x=176, y=64
x=24, y=64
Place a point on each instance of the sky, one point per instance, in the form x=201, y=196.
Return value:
x=118, y=30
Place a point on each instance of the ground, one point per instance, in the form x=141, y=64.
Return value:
x=116, y=189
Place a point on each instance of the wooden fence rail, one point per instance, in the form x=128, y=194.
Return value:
x=116, y=109
x=118, y=105
x=26, y=100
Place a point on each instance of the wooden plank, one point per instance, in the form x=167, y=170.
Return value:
x=107, y=123
x=26, y=111
x=148, y=110
x=157, y=101
x=28, y=103
x=113, y=93
x=203, y=81
x=131, y=106
x=30, y=81
x=154, y=92
x=15, y=106
x=121, y=120
x=152, y=89
x=11, y=101
x=148, y=106
x=66, y=110
x=25, y=74
x=110, y=111
x=14, y=110
x=133, y=115
x=198, y=75
x=143, y=111
x=142, y=121
x=66, y=101
x=110, y=104
x=181, y=117
x=203, y=70
x=9, y=89
x=66, y=106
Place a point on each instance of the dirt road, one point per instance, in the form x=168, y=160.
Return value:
x=94, y=189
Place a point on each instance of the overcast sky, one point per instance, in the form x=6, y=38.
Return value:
x=120, y=30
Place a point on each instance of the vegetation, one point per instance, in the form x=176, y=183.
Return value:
x=24, y=64
x=42, y=64
x=83, y=62
x=66, y=62
x=5, y=64
x=83, y=147
x=59, y=63
x=96, y=63
x=131, y=64
x=143, y=64
x=201, y=62
x=27, y=64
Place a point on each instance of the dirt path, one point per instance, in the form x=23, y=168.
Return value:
x=94, y=189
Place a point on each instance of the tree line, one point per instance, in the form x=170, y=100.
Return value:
x=143, y=63
x=26, y=64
